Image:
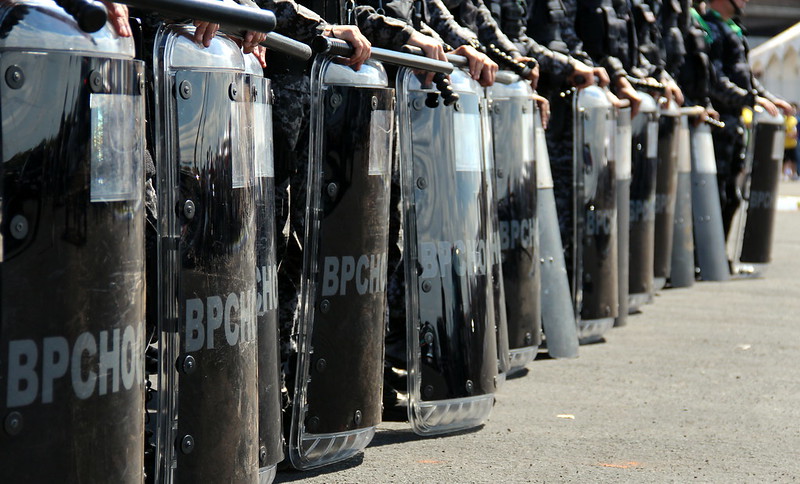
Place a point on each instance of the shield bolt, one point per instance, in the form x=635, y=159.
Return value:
x=427, y=392
x=429, y=338
x=255, y=92
x=189, y=209
x=426, y=286
x=321, y=365
x=140, y=84
x=95, y=81
x=524, y=109
x=325, y=306
x=313, y=423
x=13, y=423
x=233, y=91
x=14, y=77
x=187, y=444
x=497, y=109
x=500, y=173
x=19, y=227
x=470, y=387
x=185, y=89
x=374, y=103
x=457, y=106
x=336, y=100
x=262, y=455
x=357, y=417
x=417, y=104
x=188, y=364
x=422, y=183
x=332, y=189
x=528, y=339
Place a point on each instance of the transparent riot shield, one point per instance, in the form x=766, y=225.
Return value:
x=512, y=117
x=72, y=261
x=750, y=248
x=666, y=190
x=595, y=130
x=644, y=162
x=452, y=351
x=558, y=315
x=709, y=235
x=682, y=264
x=207, y=388
x=257, y=120
x=337, y=396
x=623, y=166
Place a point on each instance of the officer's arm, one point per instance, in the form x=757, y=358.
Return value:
x=570, y=36
x=294, y=20
x=489, y=32
x=382, y=31
x=444, y=24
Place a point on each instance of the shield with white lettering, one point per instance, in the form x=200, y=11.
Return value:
x=622, y=147
x=258, y=114
x=512, y=114
x=709, y=234
x=682, y=264
x=644, y=162
x=337, y=395
x=451, y=339
x=595, y=132
x=72, y=261
x=757, y=223
x=206, y=392
x=666, y=191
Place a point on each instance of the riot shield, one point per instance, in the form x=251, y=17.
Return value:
x=644, y=141
x=709, y=235
x=512, y=116
x=666, y=191
x=207, y=388
x=452, y=360
x=623, y=150
x=258, y=123
x=558, y=314
x=682, y=264
x=337, y=395
x=754, y=225
x=595, y=129
x=72, y=261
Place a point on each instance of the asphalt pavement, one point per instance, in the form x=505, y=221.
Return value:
x=702, y=386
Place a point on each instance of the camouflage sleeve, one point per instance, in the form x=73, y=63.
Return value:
x=443, y=23
x=554, y=64
x=380, y=30
x=489, y=32
x=293, y=19
x=762, y=91
x=569, y=35
x=724, y=93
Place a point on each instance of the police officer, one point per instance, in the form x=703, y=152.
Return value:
x=728, y=52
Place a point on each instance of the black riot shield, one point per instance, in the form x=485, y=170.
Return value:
x=709, y=235
x=753, y=242
x=452, y=351
x=207, y=392
x=666, y=191
x=558, y=315
x=72, y=260
x=259, y=117
x=595, y=130
x=644, y=154
x=623, y=166
x=337, y=395
x=512, y=114
x=682, y=264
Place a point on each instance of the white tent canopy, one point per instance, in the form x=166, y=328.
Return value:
x=775, y=63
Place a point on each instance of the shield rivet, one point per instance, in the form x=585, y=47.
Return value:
x=262, y=455
x=321, y=365
x=422, y=183
x=374, y=103
x=457, y=106
x=189, y=209
x=528, y=339
x=336, y=100
x=13, y=423
x=470, y=387
x=332, y=189
x=255, y=93
x=233, y=91
x=418, y=104
x=426, y=286
x=313, y=423
x=357, y=417
x=187, y=444
x=185, y=89
x=500, y=173
x=14, y=77
x=427, y=392
x=497, y=109
x=141, y=84
x=325, y=306
x=19, y=227
x=187, y=364
x=95, y=81
x=429, y=338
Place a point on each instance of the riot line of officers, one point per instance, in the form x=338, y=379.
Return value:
x=221, y=253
